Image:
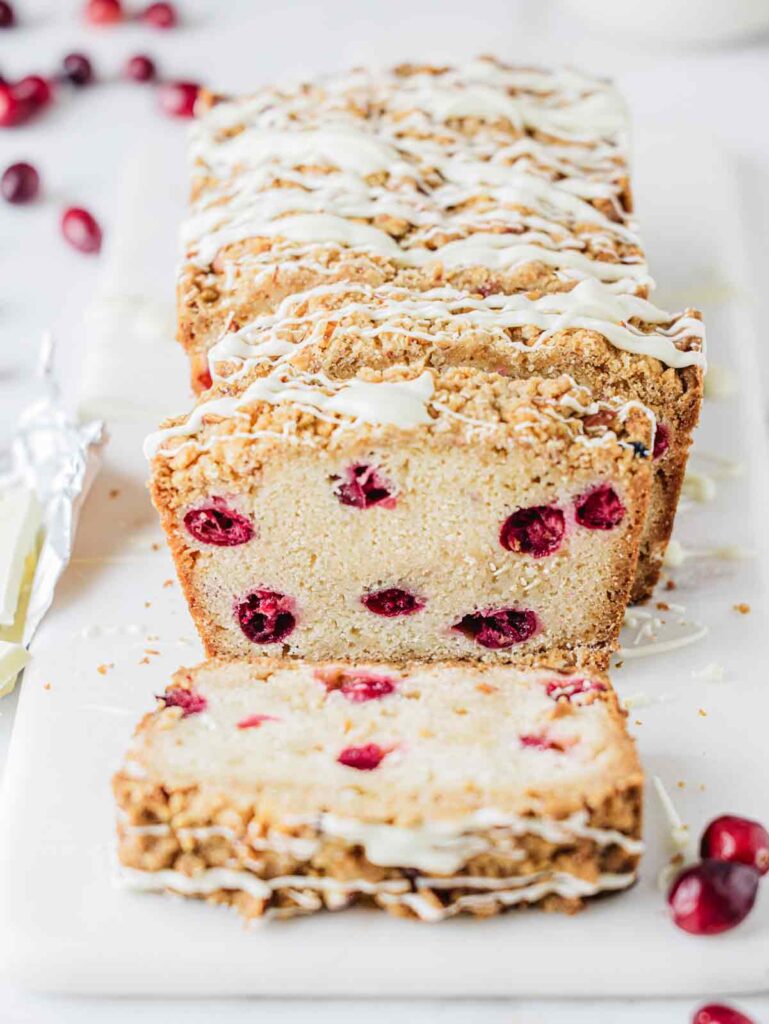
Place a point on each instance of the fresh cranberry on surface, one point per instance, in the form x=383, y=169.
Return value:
x=217, y=524
x=365, y=758
x=20, y=183
x=497, y=628
x=103, y=12
x=77, y=69
x=364, y=486
x=391, y=602
x=191, y=702
x=266, y=617
x=160, y=15
x=140, y=68
x=34, y=90
x=737, y=839
x=601, y=509
x=718, y=1013
x=713, y=896
x=177, y=99
x=7, y=17
x=12, y=109
x=81, y=230
x=537, y=531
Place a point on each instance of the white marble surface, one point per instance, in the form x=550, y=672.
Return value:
x=81, y=144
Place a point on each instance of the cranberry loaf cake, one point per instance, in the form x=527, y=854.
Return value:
x=484, y=215
x=449, y=514
x=285, y=787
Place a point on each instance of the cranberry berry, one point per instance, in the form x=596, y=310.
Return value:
x=713, y=896
x=537, y=531
x=217, y=524
x=601, y=509
x=717, y=1013
x=20, y=183
x=191, y=702
x=103, y=12
x=661, y=441
x=77, y=69
x=365, y=758
x=12, y=109
x=33, y=90
x=140, y=68
x=160, y=15
x=364, y=486
x=359, y=687
x=738, y=840
x=497, y=628
x=81, y=230
x=266, y=617
x=392, y=602
x=540, y=741
x=7, y=17
x=177, y=99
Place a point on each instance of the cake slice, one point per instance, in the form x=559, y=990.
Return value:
x=449, y=514
x=283, y=787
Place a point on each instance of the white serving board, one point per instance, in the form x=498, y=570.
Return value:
x=64, y=927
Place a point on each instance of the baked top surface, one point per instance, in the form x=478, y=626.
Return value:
x=449, y=740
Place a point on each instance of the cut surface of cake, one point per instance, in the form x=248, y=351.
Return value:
x=487, y=210
x=444, y=514
x=283, y=787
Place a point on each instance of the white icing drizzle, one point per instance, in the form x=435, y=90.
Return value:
x=590, y=305
x=507, y=891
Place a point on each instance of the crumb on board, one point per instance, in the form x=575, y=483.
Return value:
x=46, y=686
x=663, y=606
x=681, y=784
x=148, y=604
x=702, y=713
x=104, y=668
x=150, y=650
x=742, y=608
x=145, y=660
x=114, y=492
x=155, y=546
x=168, y=583
x=618, y=664
x=638, y=722
x=670, y=585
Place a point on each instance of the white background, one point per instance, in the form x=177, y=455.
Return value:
x=81, y=144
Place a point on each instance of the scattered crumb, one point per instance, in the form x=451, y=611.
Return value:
x=619, y=664
x=114, y=492
x=663, y=606
x=155, y=546
x=681, y=784
x=638, y=722
x=742, y=608
x=148, y=604
x=670, y=585
x=702, y=787
x=145, y=661
x=150, y=650
x=168, y=583
x=104, y=669
x=46, y=686
x=702, y=713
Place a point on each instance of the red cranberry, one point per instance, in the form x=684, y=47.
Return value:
x=365, y=758
x=713, y=896
x=539, y=741
x=77, y=69
x=177, y=99
x=7, y=17
x=497, y=628
x=103, y=12
x=12, y=109
x=363, y=487
x=191, y=702
x=204, y=380
x=81, y=230
x=536, y=531
x=255, y=721
x=571, y=689
x=717, y=1013
x=266, y=617
x=661, y=441
x=217, y=524
x=737, y=839
x=160, y=15
x=360, y=687
x=34, y=90
x=391, y=602
x=140, y=68
x=601, y=509
x=20, y=183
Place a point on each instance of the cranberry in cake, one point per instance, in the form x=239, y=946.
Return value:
x=453, y=789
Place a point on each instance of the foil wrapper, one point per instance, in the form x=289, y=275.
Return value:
x=57, y=457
